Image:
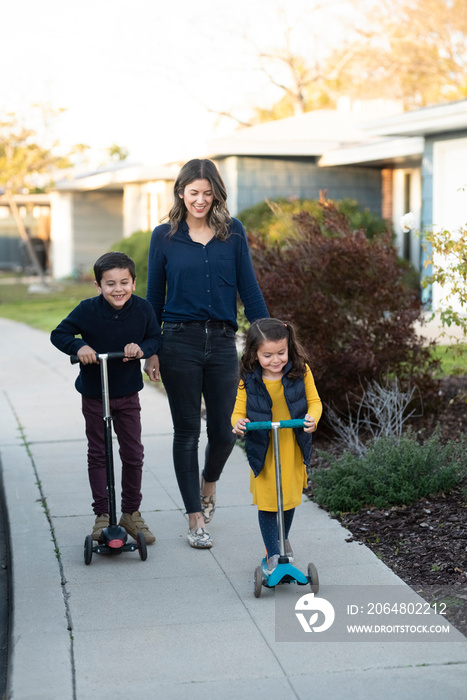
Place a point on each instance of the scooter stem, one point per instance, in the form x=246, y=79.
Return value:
x=280, y=511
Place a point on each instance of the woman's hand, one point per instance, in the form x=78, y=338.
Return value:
x=310, y=424
x=239, y=428
x=151, y=367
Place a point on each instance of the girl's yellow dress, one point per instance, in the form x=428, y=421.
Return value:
x=294, y=479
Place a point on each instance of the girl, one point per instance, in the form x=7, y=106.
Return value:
x=276, y=384
x=198, y=263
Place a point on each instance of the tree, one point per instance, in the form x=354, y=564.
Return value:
x=411, y=50
x=300, y=64
x=25, y=157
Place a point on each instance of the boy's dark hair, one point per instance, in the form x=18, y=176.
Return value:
x=109, y=261
x=272, y=329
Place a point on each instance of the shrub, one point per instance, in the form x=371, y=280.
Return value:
x=381, y=411
x=447, y=252
x=274, y=217
x=391, y=472
x=137, y=248
x=346, y=296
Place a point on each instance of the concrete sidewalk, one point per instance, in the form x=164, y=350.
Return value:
x=184, y=623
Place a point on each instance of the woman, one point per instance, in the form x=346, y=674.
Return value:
x=198, y=262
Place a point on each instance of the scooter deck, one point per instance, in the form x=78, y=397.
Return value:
x=283, y=573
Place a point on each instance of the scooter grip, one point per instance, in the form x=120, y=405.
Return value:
x=117, y=355
x=258, y=425
x=293, y=423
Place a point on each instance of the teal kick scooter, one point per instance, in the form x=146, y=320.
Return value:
x=284, y=571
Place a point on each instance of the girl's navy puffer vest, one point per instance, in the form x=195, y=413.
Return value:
x=259, y=408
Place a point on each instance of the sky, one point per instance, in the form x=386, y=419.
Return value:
x=149, y=75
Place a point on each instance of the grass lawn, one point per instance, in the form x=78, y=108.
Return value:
x=453, y=359
x=42, y=310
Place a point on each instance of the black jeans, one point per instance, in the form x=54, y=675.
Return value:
x=199, y=359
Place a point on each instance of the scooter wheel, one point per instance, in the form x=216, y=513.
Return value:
x=258, y=581
x=142, y=546
x=313, y=577
x=88, y=545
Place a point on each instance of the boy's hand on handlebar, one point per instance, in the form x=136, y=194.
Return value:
x=310, y=424
x=87, y=355
x=239, y=428
x=132, y=352
x=151, y=367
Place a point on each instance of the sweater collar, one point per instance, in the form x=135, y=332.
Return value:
x=109, y=310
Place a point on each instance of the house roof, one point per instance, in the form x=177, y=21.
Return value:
x=375, y=151
x=451, y=116
x=342, y=138
x=309, y=134
x=115, y=178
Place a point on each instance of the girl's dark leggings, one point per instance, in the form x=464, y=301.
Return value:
x=270, y=531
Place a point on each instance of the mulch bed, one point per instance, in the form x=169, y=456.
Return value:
x=425, y=543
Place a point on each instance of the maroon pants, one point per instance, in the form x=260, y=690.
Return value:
x=127, y=426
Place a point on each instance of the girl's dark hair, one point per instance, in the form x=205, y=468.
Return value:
x=218, y=218
x=109, y=261
x=271, y=329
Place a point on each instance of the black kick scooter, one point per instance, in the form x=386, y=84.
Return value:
x=114, y=537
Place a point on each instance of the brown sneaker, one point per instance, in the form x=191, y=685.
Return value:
x=134, y=523
x=102, y=521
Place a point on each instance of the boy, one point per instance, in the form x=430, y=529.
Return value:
x=114, y=320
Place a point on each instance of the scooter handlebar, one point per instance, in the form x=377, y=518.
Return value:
x=119, y=355
x=267, y=424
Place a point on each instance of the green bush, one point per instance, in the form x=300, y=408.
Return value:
x=391, y=473
x=137, y=248
x=274, y=217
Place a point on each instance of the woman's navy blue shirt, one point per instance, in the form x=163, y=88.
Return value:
x=189, y=281
x=106, y=329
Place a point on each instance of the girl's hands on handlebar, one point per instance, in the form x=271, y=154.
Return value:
x=310, y=424
x=239, y=428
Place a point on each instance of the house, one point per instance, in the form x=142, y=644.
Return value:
x=401, y=162
x=337, y=151
x=92, y=211
x=422, y=155
x=404, y=161
x=282, y=158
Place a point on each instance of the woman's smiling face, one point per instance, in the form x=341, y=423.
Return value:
x=198, y=197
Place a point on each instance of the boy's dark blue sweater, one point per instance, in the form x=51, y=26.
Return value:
x=105, y=329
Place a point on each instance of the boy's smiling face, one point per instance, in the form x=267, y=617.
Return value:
x=116, y=286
